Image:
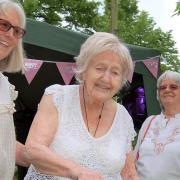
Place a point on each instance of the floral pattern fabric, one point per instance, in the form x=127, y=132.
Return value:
x=159, y=155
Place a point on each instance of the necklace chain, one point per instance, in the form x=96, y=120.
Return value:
x=99, y=117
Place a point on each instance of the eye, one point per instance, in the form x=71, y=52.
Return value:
x=100, y=69
x=173, y=87
x=161, y=88
x=116, y=73
x=4, y=25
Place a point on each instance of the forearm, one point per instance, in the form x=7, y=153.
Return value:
x=48, y=162
x=20, y=155
x=129, y=170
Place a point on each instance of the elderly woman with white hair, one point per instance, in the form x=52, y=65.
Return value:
x=79, y=131
x=12, y=24
x=157, y=151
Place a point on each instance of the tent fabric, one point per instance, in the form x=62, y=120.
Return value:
x=48, y=43
x=61, y=40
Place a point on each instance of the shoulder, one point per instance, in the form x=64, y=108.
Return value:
x=53, y=89
x=59, y=88
x=149, y=119
x=123, y=112
x=7, y=88
x=148, y=122
x=59, y=93
x=126, y=119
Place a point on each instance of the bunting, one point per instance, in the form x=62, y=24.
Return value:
x=32, y=66
x=152, y=65
x=66, y=71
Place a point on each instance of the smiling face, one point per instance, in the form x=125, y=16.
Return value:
x=103, y=76
x=169, y=93
x=7, y=40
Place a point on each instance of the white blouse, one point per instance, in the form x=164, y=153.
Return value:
x=159, y=153
x=7, y=133
x=106, y=154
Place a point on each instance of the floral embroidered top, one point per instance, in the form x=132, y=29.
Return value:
x=106, y=154
x=7, y=132
x=159, y=153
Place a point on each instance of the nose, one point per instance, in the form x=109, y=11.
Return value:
x=106, y=76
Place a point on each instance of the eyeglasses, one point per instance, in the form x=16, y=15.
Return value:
x=171, y=87
x=5, y=26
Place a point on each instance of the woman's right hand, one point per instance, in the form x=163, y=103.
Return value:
x=86, y=174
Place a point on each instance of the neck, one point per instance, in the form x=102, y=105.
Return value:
x=86, y=113
x=169, y=112
x=91, y=103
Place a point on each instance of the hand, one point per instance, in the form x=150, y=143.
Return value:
x=87, y=174
x=135, y=177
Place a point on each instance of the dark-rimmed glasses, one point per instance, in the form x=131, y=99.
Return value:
x=171, y=87
x=5, y=26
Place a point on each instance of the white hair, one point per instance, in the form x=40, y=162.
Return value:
x=100, y=42
x=167, y=75
x=15, y=60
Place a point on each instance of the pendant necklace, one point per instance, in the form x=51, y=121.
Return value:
x=99, y=117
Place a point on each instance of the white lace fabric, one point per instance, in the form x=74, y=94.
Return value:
x=7, y=133
x=105, y=154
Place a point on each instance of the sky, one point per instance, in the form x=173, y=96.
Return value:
x=161, y=11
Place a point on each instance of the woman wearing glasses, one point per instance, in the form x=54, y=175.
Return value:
x=12, y=24
x=157, y=150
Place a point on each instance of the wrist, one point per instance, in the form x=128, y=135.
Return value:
x=74, y=171
x=135, y=177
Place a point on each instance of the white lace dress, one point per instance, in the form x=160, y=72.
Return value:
x=106, y=154
x=7, y=133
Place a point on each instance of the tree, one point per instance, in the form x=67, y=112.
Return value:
x=134, y=27
x=70, y=14
x=177, y=10
x=137, y=28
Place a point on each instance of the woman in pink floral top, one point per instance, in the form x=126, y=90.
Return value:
x=158, y=150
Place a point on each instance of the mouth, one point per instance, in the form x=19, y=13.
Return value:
x=103, y=87
x=168, y=96
x=4, y=44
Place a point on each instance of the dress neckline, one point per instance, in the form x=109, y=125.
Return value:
x=84, y=125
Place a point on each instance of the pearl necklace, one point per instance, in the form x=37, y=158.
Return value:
x=99, y=117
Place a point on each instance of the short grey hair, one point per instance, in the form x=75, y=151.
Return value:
x=15, y=60
x=100, y=42
x=167, y=75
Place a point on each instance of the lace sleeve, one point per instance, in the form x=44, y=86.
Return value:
x=130, y=132
x=13, y=92
x=57, y=91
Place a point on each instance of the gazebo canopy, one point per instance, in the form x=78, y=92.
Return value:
x=49, y=43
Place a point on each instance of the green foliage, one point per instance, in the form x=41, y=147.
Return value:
x=134, y=27
x=71, y=14
x=137, y=28
x=177, y=10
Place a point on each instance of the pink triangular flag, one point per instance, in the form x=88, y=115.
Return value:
x=31, y=68
x=152, y=65
x=131, y=74
x=66, y=70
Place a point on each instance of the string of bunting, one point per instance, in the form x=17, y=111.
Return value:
x=32, y=66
